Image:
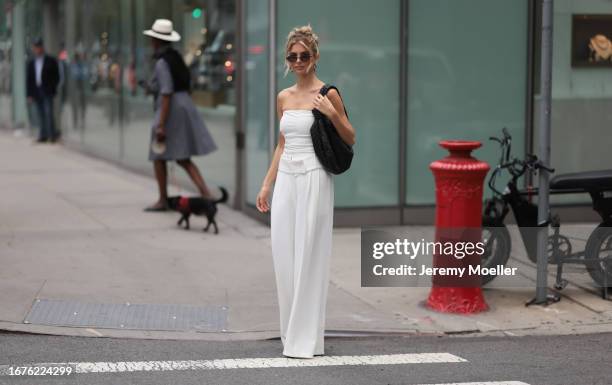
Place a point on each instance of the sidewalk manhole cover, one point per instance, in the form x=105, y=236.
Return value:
x=210, y=318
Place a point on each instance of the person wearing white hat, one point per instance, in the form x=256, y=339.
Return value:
x=178, y=132
x=162, y=29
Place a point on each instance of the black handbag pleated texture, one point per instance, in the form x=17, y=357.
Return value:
x=334, y=154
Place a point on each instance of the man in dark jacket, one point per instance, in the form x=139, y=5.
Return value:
x=42, y=79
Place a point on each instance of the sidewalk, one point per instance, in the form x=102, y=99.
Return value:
x=72, y=228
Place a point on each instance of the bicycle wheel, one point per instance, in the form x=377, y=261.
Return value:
x=598, y=254
x=497, y=246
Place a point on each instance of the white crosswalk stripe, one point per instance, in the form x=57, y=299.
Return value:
x=253, y=363
x=484, y=383
x=259, y=363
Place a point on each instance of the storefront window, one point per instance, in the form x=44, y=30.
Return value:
x=363, y=62
x=467, y=72
x=208, y=28
x=257, y=91
x=138, y=113
x=581, y=91
x=210, y=55
x=108, y=56
x=92, y=65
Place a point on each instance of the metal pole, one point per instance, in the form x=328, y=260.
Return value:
x=403, y=115
x=544, y=151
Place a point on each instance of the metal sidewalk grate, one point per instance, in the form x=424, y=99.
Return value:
x=210, y=318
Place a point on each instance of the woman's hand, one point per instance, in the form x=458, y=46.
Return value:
x=323, y=104
x=262, y=199
x=160, y=133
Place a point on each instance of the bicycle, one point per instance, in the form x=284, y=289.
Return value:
x=597, y=255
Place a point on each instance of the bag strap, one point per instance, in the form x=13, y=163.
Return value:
x=325, y=89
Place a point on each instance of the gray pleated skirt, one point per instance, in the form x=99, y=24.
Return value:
x=186, y=132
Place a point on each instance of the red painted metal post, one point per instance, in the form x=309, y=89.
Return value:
x=459, y=179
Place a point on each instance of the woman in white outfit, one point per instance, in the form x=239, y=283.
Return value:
x=303, y=200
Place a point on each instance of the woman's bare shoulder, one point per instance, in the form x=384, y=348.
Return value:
x=285, y=92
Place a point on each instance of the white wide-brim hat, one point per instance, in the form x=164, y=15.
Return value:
x=162, y=29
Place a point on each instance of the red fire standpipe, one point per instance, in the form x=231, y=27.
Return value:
x=459, y=179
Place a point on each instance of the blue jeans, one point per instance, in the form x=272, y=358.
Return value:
x=46, y=122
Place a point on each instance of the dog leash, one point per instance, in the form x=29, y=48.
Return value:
x=174, y=181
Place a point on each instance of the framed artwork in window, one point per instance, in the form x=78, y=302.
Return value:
x=592, y=41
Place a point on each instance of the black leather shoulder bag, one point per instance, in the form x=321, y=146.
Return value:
x=334, y=154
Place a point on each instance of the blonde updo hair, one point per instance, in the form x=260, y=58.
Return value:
x=305, y=36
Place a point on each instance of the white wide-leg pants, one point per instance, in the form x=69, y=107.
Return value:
x=301, y=227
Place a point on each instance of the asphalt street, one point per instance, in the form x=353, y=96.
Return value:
x=549, y=360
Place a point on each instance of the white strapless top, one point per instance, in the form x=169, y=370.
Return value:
x=298, y=155
x=295, y=126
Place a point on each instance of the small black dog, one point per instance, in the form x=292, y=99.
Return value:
x=197, y=206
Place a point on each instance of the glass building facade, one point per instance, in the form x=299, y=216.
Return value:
x=103, y=56
x=411, y=73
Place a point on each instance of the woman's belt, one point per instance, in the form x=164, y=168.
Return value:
x=298, y=163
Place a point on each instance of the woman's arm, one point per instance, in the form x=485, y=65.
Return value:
x=166, y=89
x=331, y=106
x=273, y=170
x=266, y=187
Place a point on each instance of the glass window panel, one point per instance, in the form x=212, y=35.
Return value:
x=208, y=41
x=95, y=76
x=112, y=115
x=363, y=61
x=467, y=69
x=256, y=87
x=581, y=99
